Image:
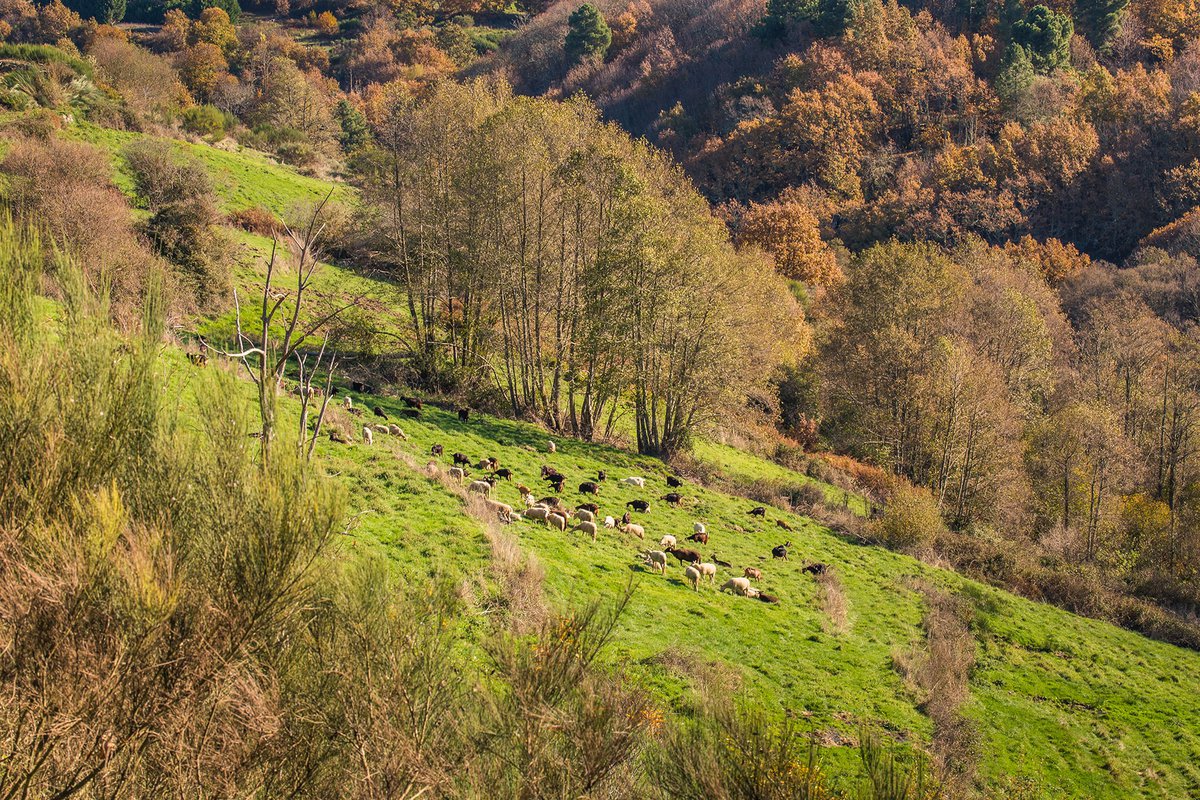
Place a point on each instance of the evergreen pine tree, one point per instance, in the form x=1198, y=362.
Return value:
x=1045, y=35
x=1099, y=20
x=588, y=35
x=1015, y=75
x=108, y=12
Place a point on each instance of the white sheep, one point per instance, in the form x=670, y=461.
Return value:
x=540, y=513
x=668, y=541
x=753, y=592
x=693, y=577
x=738, y=586
x=347, y=403
x=699, y=528
x=395, y=430
x=587, y=527
x=610, y=522
x=530, y=502
x=551, y=446
x=707, y=570
x=480, y=487
x=634, y=481
x=585, y=516
x=635, y=530
x=457, y=473
x=502, y=510
x=382, y=429
x=556, y=520
x=367, y=436
x=657, y=561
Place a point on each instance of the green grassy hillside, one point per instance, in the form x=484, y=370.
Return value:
x=242, y=178
x=1073, y=707
x=1077, y=707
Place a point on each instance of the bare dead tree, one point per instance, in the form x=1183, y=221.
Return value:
x=306, y=394
x=267, y=360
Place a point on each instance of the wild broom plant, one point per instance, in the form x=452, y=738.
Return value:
x=173, y=621
x=154, y=580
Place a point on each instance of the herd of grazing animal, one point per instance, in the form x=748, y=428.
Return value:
x=585, y=518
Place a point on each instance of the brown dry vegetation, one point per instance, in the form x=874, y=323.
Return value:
x=939, y=674
x=831, y=598
x=65, y=188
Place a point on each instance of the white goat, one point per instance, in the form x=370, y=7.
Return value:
x=610, y=522
x=634, y=481
x=368, y=437
x=698, y=527
x=657, y=561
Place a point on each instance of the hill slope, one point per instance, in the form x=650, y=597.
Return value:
x=1076, y=707
x=1064, y=706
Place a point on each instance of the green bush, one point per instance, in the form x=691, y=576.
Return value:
x=205, y=120
x=910, y=520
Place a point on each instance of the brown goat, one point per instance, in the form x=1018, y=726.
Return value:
x=690, y=556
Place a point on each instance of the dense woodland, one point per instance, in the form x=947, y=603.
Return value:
x=943, y=253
